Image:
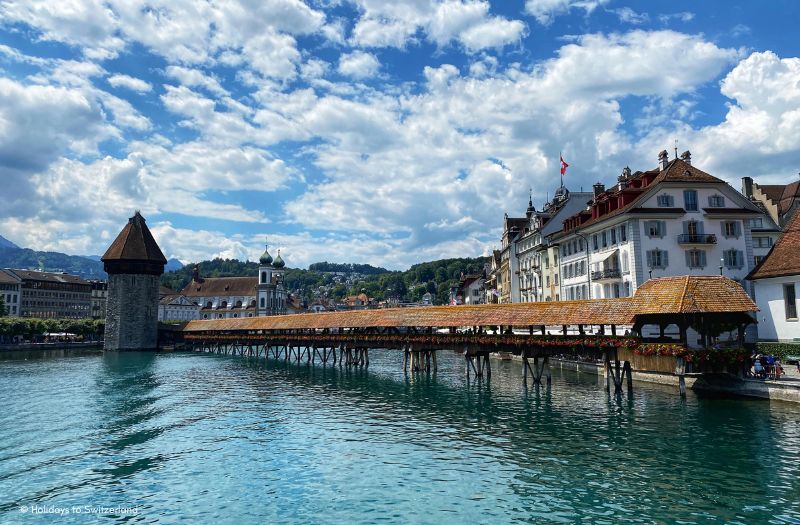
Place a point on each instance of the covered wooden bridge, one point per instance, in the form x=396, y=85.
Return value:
x=708, y=305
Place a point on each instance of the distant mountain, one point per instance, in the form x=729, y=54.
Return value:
x=27, y=259
x=5, y=243
x=172, y=264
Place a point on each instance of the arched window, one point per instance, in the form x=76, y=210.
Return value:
x=208, y=304
x=253, y=303
x=224, y=304
x=238, y=304
x=235, y=315
x=262, y=302
x=263, y=277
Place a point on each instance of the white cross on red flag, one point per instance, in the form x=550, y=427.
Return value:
x=563, y=165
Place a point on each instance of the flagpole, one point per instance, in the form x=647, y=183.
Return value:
x=560, y=170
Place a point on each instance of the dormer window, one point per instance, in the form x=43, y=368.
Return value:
x=665, y=201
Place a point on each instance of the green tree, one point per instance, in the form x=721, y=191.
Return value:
x=3, y=311
x=430, y=287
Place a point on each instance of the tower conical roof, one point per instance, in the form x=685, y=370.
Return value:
x=135, y=243
x=134, y=250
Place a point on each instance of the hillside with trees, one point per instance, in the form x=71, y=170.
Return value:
x=324, y=279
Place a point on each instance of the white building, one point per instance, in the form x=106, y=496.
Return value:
x=235, y=297
x=177, y=308
x=776, y=282
x=471, y=290
x=673, y=220
x=11, y=292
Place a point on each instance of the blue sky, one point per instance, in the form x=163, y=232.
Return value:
x=369, y=131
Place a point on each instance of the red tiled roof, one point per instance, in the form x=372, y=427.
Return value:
x=687, y=294
x=781, y=195
x=790, y=193
x=676, y=171
x=221, y=286
x=773, y=192
x=135, y=243
x=784, y=257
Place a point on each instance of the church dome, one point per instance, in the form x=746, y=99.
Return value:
x=265, y=258
x=279, y=261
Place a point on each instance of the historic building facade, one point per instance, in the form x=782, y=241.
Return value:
x=99, y=298
x=11, y=292
x=236, y=297
x=51, y=295
x=673, y=220
x=134, y=264
x=178, y=308
x=529, y=262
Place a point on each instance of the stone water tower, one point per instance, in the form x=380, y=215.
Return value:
x=134, y=264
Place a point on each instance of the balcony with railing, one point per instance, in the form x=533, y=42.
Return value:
x=697, y=238
x=609, y=274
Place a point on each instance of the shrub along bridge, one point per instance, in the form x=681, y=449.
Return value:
x=705, y=306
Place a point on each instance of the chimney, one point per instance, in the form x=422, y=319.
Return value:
x=747, y=187
x=686, y=157
x=663, y=159
x=598, y=188
x=196, y=274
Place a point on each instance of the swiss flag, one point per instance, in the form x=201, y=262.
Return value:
x=563, y=165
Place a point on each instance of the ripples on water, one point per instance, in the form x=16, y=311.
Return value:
x=206, y=438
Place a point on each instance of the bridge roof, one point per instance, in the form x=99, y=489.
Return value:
x=670, y=295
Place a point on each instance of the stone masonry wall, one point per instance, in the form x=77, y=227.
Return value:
x=132, y=312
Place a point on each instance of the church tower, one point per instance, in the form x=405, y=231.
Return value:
x=264, y=283
x=134, y=264
x=271, y=292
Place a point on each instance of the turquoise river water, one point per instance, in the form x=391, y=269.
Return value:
x=190, y=438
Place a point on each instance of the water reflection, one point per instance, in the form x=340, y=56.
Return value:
x=238, y=440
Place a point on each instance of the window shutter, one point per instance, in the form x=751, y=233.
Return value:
x=685, y=226
x=711, y=201
x=662, y=228
x=739, y=259
x=688, y=254
x=737, y=228
x=702, y=259
x=650, y=259
x=664, y=259
x=700, y=227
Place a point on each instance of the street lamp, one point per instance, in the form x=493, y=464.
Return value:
x=588, y=261
x=721, y=263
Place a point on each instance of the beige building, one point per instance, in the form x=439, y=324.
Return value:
x=53, y=295
x=780, y=201
x=11, y=292
x=99, y=299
